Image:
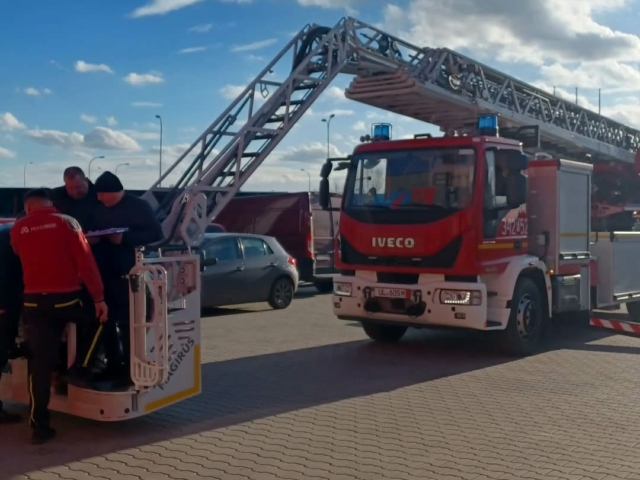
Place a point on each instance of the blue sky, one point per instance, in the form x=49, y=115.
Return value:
x=84, y=79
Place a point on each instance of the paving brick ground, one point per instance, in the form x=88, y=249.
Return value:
x=300, y=395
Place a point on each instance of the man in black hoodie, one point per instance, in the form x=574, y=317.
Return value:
x=77, y=197
x=11, y=290
x=116, y=257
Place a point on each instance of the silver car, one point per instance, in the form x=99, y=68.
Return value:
x=243, y=268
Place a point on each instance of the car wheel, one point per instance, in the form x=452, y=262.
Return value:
x=281, y=294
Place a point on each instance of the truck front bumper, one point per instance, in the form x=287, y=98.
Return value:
x=431, y=302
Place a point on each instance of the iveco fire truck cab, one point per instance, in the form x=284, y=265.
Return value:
x=465, y=231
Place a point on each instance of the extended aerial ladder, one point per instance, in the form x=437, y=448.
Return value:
x=435, y=85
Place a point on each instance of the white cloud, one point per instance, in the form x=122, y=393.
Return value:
x=312, y=153
x=529, y=31
x=336, y=112
x=346, y=4
x=6, y=153
x=9, y=122
x=254, y=46
x=193, y=50
x=147, y=104
x=88, y=118
x=335, y=93
x=230, y=92
x=609, y=75
x=100, y=138
x=111, y=121
x=56, y=138
x=141, y=79
x=359, y=126
x=34, y=92
x=203, y=28
x=84, y=67
x=172, y=152
x=141, y=136
x=161, y=7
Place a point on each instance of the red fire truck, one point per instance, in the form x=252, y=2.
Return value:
x=470, y=232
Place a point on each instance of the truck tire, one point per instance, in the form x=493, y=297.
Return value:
x=384, y=333
x=633, y=308
x=281, y=294
x=324, y=286
x=526, y=321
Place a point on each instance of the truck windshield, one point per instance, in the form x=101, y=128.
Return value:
x=424, y=179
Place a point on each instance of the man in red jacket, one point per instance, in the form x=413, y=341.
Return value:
x=56, y=261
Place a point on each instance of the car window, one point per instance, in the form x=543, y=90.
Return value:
x=224, y=249
x=255, y=247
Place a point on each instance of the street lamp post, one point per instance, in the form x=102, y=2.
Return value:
x=121, y=165
x=309, y=175
x=160, y=166
x=328, y=122
x=90, y=162
x=24, y=174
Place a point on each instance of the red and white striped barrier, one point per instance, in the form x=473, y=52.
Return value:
x=627, y=327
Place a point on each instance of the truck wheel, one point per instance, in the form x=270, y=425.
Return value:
x=281, y=293
x=384, y=333
x=324, y=286
x=634, y=311
x=524, y=330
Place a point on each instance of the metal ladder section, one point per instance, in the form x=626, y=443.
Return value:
x=451, y=90
x=223, y=158
x=438, y=86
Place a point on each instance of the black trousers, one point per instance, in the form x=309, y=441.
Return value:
x=8, y=332
x=46, y=316
x=116, y=331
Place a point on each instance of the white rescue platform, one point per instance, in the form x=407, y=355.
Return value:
x=165, y=348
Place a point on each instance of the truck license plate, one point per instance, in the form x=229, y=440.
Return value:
x=391, y=293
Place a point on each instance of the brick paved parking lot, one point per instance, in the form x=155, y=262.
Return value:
x=300, y=395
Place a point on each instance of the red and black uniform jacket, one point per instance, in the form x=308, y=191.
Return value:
x=55, y=255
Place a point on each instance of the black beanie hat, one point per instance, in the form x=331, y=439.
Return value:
x=108, y=183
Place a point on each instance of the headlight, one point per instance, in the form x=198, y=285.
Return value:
x=461, y=297
x=342, y=289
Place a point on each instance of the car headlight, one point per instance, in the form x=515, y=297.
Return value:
x=461, y=297
x=342, y=289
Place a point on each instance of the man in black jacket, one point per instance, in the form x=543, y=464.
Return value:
x=11, y=290
x=116, y=257
x=77, y=197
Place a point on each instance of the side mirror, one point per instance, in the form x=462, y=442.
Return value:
x=324, y=196
x=517, y=161
x=516, y=190
x=210, y=262
x=325, y=171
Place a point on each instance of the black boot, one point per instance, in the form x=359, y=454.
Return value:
x=40, y=435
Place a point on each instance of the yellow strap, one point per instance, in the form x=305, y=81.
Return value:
x=67, y=304
x=92, y=347
x=26, y=304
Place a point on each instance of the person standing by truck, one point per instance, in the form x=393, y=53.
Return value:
x=11, y=290
x=77, y=197
x=56, y=261
x=116, y=255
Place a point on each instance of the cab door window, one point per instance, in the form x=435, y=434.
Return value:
x=495, y=191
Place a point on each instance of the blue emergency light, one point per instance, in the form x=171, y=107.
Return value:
x=381, y=131
x=488, y=125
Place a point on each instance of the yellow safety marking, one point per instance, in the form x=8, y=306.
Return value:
x=574, y=234
x=92, y=347
x=501, y=246
x=67, y=304
x=189, y=392
x=33, y=403
x=26, y=304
